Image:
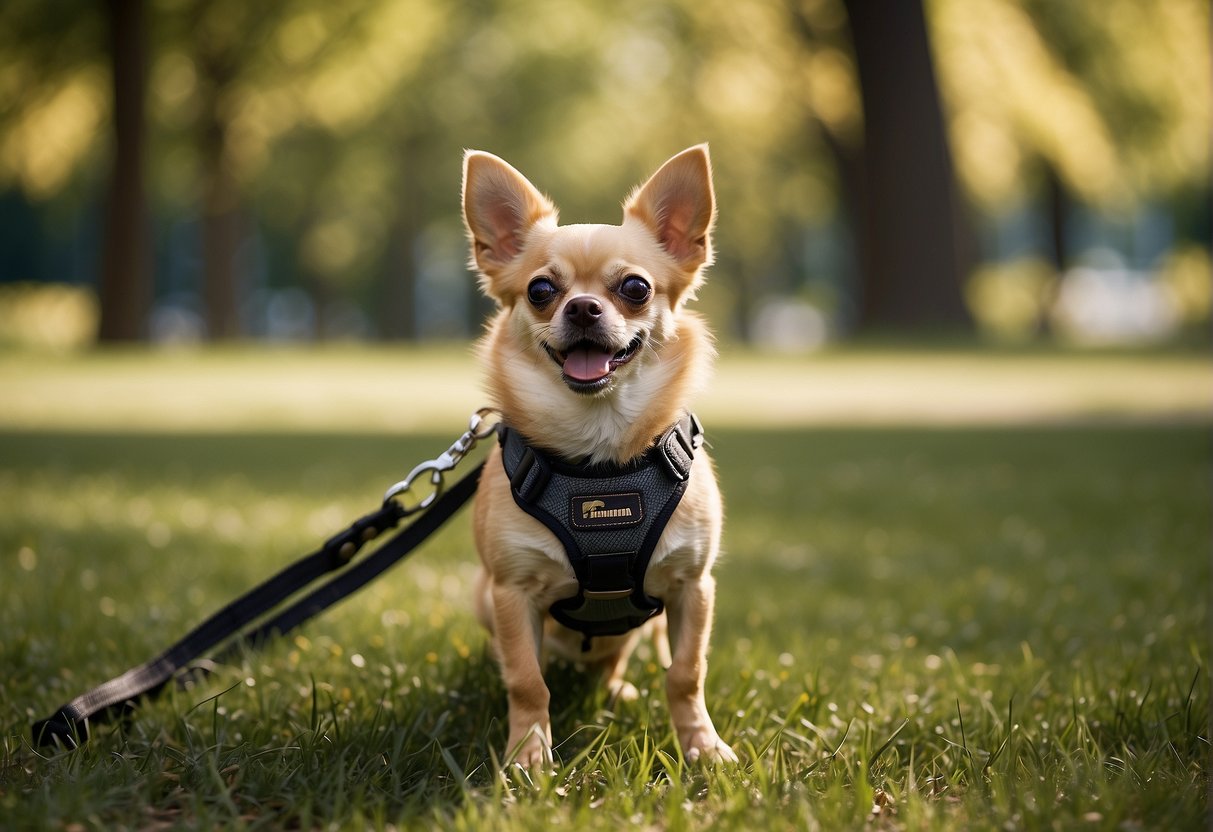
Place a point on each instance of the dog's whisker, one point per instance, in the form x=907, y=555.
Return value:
x=510, y=359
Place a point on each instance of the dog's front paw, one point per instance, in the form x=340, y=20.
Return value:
x=708, y=747
x=530, y=751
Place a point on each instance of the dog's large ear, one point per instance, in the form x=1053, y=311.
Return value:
x=499, y=207
x=678, y=206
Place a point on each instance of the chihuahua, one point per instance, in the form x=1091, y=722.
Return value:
x=592, y=358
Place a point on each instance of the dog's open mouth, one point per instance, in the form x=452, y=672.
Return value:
x=588, y=366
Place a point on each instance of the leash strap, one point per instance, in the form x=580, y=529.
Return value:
x=69, y=726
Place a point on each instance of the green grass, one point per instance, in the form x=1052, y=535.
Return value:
x=927, y=627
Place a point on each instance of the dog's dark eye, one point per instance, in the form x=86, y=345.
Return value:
x=541, y=291
x=635, y=289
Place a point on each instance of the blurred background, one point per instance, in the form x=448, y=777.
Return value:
x=182, y=171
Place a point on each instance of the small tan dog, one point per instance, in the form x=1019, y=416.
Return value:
x=599, y=507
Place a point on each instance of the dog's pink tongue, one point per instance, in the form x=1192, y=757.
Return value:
x=587, y=364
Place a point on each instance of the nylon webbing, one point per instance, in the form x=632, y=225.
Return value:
x=69, y=726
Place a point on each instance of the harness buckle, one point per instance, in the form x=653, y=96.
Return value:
x=677, y=452
x=696, y=431
x=531, y=476
x=607, y=594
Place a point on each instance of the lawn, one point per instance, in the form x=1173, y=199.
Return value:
x=945, y=620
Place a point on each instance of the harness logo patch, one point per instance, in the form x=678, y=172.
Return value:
x=601, y=511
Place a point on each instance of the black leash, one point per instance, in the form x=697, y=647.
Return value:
x=69, y=726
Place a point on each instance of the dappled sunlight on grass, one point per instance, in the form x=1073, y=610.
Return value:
x=958, y=387
x=916, y=627
x=407, y=390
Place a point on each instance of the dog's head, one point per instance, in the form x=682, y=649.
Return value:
x=593, y=303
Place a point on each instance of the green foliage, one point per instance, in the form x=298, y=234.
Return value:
x=53, y=90
x=340, y=126
x=929, y=628
x=1078, y=87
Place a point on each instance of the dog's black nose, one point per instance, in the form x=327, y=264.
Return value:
x=583, y=310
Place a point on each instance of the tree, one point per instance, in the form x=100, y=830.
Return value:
x=912, y=232
x=225, y=40
x=330, y=133
x=58, y=99
x=305, y=103
x=1105, y=103
x=126, y=285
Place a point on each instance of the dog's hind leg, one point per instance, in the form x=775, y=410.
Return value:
x=613, y=667
x=659, y=630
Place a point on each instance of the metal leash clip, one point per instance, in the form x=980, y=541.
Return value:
x=478, y=428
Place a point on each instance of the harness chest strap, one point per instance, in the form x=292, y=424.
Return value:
x=609, y=519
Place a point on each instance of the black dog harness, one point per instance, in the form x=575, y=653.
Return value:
x=608, y=517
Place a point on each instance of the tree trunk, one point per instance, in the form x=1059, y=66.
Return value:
x=220, y=240
x=912, y=240
x=848, y=163
x=126, y=285
x=396, y=315
x=1058, y=210
x=220, y=221
x=220, y=233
